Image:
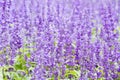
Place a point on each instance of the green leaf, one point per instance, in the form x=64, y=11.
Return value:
x=1, y=73
x=33, y=64
x=52, y=78
x=18, y=66
x=101, y=79
x=3, y=51
x=15, y=76
x=93, y=31
x=20, y=63
x=71, y=72
x=24, y=50
x=28, y=55
x=118, y=78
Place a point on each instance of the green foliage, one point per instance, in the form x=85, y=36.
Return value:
x=32, y=64
x=20, y=63
x=19, y=69
x=28, y=55
x=74, y=73
x=52, y=78
x=101, y=79
x=24, y=50
x=3, y=51
x=21, y=72
x=118, y=78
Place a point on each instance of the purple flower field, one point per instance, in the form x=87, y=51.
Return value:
x=59, y=39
